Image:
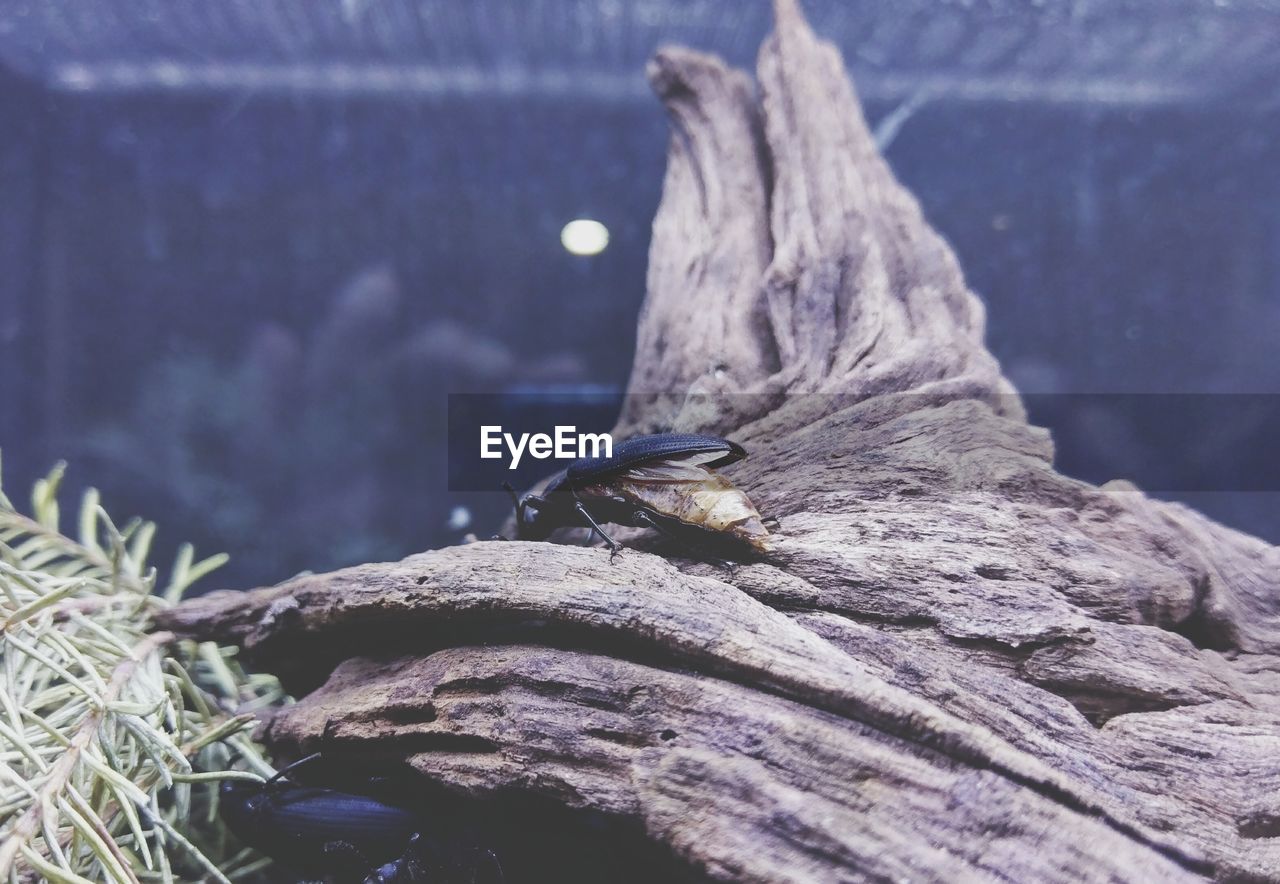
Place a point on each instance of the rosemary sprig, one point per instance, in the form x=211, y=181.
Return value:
x=112, y=737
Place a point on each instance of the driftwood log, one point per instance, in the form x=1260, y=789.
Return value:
x=956, y=665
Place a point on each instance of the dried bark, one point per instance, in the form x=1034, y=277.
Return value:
x=957, y=664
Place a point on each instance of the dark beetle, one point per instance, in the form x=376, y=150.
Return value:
x=666, y=482
x=328, y=835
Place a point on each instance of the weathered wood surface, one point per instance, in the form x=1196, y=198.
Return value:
x=956, y=665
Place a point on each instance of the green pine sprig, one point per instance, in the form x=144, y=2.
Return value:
x=112, y=736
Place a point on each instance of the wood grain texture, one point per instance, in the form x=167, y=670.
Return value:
x=956, y=665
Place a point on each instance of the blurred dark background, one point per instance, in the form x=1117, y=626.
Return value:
x=247, y=246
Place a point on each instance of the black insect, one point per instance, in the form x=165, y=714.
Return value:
x=323, y=834
x=667, y=482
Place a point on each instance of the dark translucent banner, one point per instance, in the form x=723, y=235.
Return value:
x=1163, y=443
x=510, y=424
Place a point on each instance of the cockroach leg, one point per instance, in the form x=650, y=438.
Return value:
x=614, y=546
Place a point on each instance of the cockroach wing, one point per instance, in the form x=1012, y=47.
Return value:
x=683, y=468
x=683, y=488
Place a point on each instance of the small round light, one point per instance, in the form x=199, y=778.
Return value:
x=583, y=236
x=459, y=518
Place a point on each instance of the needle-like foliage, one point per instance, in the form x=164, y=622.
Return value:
x=112, y=736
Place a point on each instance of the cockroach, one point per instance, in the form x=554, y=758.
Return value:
x=666, y=481
x=329, y=835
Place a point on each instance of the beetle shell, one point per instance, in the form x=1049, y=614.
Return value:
x=642, y=449
x=296, y=823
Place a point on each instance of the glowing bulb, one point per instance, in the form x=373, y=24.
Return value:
x=583, y=236
x=459, y=518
